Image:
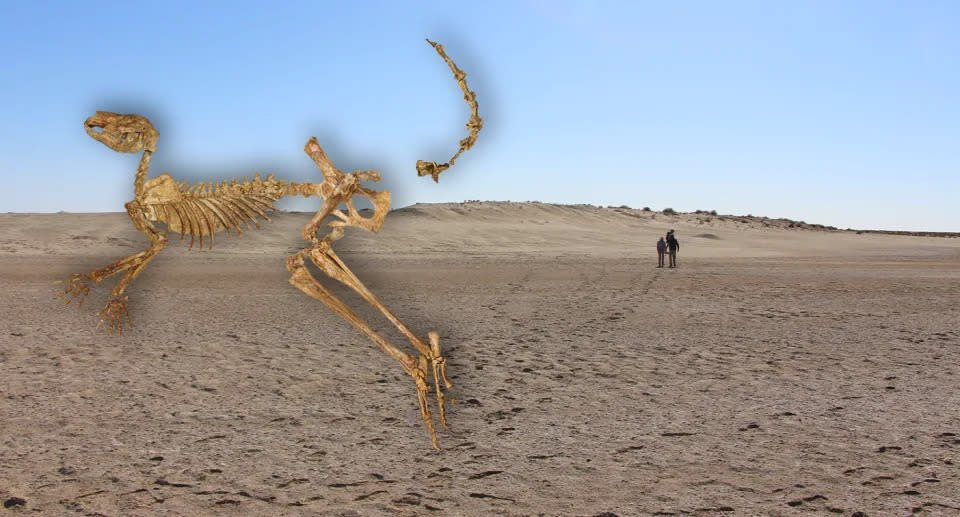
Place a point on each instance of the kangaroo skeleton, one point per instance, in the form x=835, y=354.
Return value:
x=205, y=209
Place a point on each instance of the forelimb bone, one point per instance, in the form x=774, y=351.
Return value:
x=115, y=311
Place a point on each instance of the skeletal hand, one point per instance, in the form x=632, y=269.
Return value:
x=113, y=313
x=76, y=288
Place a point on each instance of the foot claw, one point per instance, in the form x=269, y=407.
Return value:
x=114, y=312
x=420, y=373
x=439, y=364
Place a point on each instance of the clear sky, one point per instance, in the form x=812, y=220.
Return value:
x=838, y=113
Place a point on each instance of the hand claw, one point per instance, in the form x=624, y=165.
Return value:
x=114, y=313
x=77, y=288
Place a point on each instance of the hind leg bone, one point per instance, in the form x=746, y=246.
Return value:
x=416, y=368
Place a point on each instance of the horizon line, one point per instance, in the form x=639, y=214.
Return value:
x=711, y=213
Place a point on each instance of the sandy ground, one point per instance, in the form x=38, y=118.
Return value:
x=775, y=372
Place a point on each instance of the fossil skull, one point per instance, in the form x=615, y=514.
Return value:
x=122, y=133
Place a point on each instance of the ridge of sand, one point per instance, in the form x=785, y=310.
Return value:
x=521, y=228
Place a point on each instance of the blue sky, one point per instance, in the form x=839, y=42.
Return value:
x=839, y=113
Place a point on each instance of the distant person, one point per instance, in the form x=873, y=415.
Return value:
x=661, y=251
x=674, y=246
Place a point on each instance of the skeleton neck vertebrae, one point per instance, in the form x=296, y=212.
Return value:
x=207, y=208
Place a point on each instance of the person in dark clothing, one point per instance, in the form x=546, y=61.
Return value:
x=661, y=251
x=673, y=245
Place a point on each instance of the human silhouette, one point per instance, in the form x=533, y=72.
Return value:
x=673, y=245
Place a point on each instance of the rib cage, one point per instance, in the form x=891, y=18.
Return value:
x=205, y=208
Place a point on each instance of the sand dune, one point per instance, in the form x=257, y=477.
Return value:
x=488, y=228
x=779, y=371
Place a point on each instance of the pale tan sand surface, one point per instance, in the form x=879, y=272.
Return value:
x=777, y=371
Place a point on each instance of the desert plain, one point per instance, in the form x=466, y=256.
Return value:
x=777, y=371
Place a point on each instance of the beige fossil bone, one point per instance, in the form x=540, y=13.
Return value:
x=204, y=209
x=474, y=125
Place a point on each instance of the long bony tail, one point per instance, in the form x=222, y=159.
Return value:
x=474, y=125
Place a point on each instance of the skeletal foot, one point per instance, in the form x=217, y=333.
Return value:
x=439, y=364
x=77, y=288
x=420, y=372
x=114, y=313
